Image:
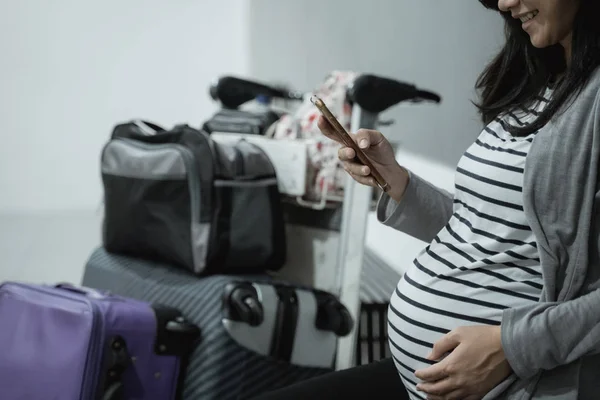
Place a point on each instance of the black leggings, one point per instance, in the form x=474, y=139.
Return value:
x=378, y=380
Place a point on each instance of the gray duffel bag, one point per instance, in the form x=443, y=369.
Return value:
x=179, y=197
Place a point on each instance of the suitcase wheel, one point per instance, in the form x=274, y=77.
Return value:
x=241, y=304
x=332, y=315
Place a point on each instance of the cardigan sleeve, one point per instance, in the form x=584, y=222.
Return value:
x=563, y=200
x=423, y=211
x=547, y=335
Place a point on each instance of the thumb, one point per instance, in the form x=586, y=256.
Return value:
x=367, y=138
x=443, y=346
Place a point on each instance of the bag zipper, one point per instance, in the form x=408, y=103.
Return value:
x=188, y=159
x=94, y=352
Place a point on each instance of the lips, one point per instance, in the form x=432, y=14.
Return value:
x=529, y=16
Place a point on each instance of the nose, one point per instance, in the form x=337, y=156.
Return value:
x=506, y=5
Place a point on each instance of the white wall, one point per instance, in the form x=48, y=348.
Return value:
x=438, y=45
x=69, y=71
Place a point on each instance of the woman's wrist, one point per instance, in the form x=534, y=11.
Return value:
x=398, y=183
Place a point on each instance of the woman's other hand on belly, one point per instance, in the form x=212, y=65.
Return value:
x=474, y=364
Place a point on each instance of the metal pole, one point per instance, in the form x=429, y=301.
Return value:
x=356, y=206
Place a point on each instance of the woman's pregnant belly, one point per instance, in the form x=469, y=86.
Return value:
x=439, y=292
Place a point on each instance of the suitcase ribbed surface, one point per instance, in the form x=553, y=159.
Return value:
x=219, y=368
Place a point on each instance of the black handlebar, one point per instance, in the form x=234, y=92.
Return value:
x=376, y=94
x=232, y=92
x=372, y=93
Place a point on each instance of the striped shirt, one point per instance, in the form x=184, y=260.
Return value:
x=483, y=261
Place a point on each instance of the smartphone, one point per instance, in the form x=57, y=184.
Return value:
x=348, y=142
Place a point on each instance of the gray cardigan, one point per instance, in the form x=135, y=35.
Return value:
x=553, y=346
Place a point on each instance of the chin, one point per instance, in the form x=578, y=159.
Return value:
x=540, y=43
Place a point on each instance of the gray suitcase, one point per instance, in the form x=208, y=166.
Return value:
x=256, y=334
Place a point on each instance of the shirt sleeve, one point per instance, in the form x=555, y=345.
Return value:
x=423, y=211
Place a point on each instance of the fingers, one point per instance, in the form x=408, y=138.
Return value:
x=346, y=154
x=364, y=180
x=356, y=169
x=326, y=129
x=434, y=373
x=443, y=346
x=443, y=389
x=360, y=173
x=454, y=395
x=367, y=138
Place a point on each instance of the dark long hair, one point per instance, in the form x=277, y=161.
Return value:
x=520, y=72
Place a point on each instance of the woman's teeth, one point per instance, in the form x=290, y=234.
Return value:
x=529, y=16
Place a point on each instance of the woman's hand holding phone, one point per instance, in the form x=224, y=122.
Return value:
x=378, y=150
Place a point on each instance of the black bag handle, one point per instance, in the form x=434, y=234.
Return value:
x=138, y=129
x=148, y=128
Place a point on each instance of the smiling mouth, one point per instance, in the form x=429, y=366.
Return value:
x=529, y=16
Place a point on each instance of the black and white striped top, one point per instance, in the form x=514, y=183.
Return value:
x=483, y=261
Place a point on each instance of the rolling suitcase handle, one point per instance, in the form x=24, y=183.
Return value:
x=175, y=337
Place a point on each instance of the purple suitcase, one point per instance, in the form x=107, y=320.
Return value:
x=72, y=343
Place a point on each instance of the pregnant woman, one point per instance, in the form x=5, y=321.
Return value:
x=504, y=301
